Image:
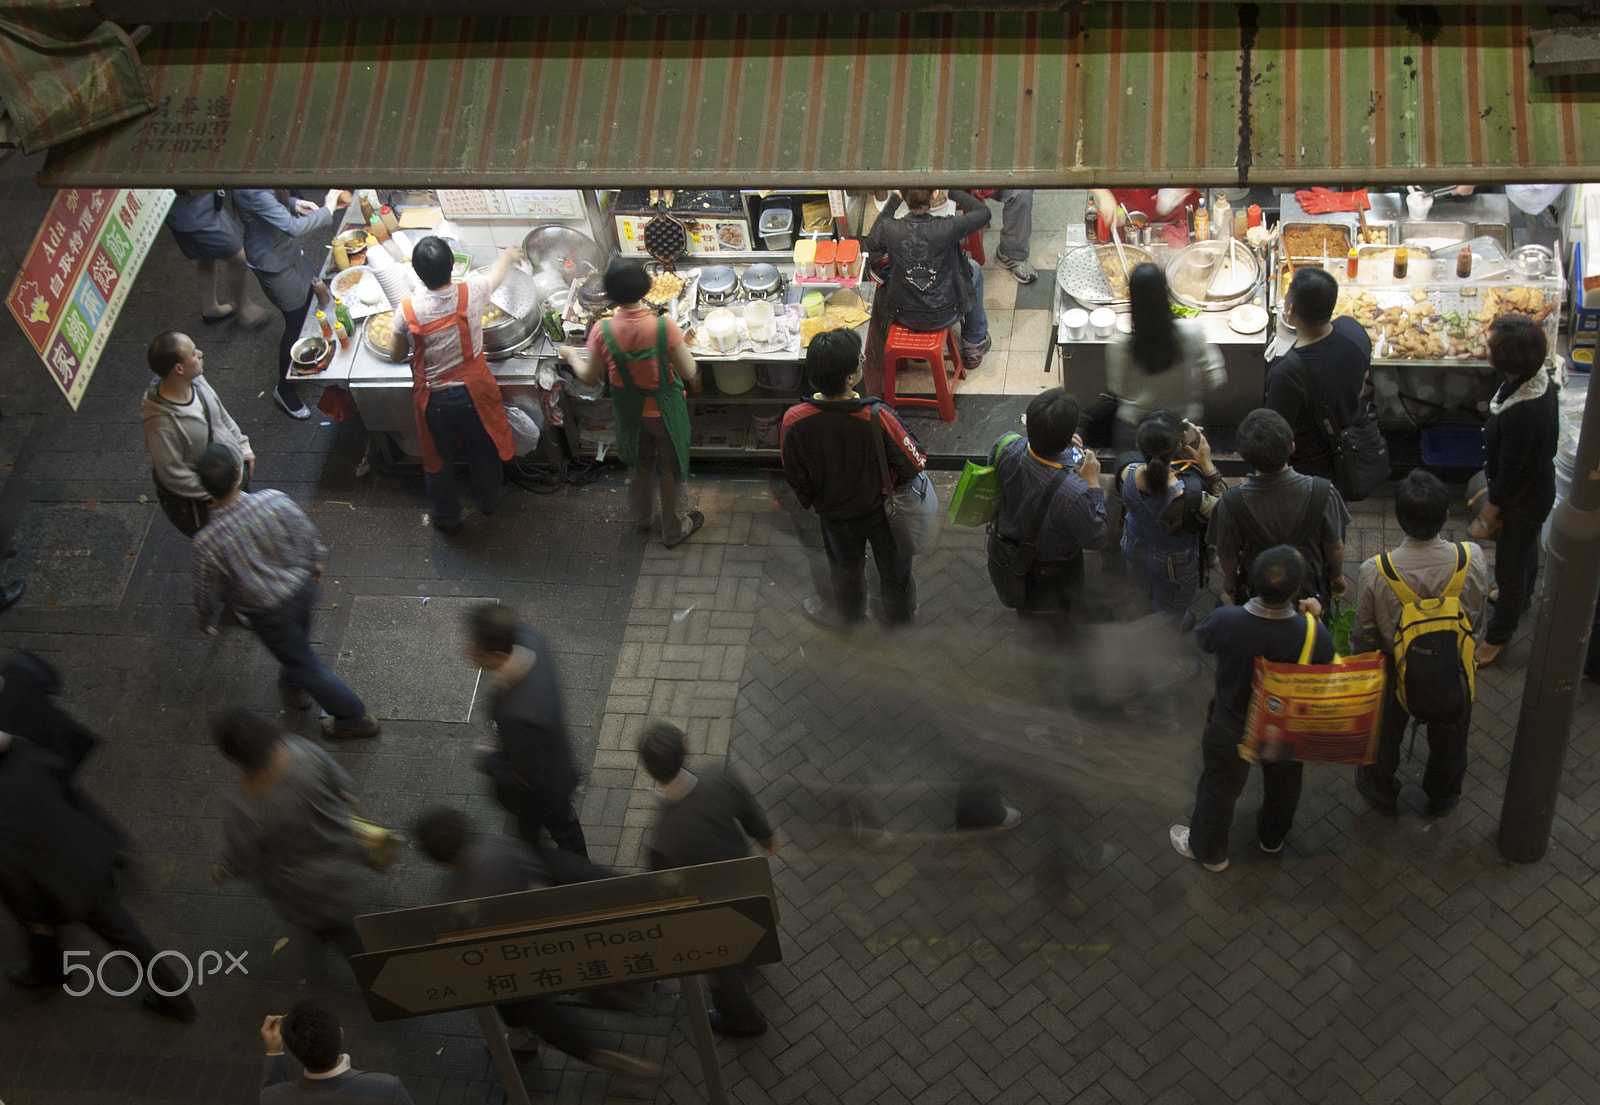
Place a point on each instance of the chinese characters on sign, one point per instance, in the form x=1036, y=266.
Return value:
x=185, y=125
x=78, y=273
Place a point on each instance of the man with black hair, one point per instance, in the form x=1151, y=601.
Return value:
x=261, y=556
x=830, y=457
x=311, y=1033
x=1425, y=563
x=531, y=766
x=1327, y=365
x=706, y=817
x=453, y=393
x=649, y=362
x=1277, y=506
x=182, y=415
x=1270, y=625
x=1074, y=520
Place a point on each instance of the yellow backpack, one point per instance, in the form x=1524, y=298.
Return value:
x=1433, y=646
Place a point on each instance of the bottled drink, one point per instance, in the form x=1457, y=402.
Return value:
x=1202, y=225
x=1091, y=221
x=342, y=314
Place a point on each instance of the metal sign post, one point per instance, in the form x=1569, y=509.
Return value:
x=564, y=939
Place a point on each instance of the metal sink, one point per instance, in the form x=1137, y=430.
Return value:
x=1431, y=234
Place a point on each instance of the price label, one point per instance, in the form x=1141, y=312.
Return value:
x=836, y=203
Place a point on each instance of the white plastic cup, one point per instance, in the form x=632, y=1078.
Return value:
x=1076, y=321
x=758, y=319
x=1104, y=321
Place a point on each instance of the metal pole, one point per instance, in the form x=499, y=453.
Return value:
x=700, y=1024
x=504, y=1061
x=1550, y=691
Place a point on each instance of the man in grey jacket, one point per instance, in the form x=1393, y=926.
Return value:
x=182, y=415
x=311, y=1032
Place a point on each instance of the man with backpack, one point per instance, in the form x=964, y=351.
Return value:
x=1419, y=604
x=1278, y=506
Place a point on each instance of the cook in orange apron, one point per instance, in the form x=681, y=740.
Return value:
x=473, y=371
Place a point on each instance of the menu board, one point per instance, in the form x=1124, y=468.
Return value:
x=78, y=273
x=551, y=203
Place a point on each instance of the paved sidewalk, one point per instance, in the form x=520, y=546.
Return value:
x=1374, y=960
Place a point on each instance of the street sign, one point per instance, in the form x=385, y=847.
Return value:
x=604, y=934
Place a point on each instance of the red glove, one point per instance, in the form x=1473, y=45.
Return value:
x=1320, y=201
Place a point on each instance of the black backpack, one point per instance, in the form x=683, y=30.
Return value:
x=1306, y=536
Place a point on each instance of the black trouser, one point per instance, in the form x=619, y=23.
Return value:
x=845, y=540
x=1447, y=753
x=1222, y=777
x=293, y=321
x=1049, y=590
x=1516, y=566
x=109, y=920
x=731, y=999
x=551, y=1024
x=535, y=811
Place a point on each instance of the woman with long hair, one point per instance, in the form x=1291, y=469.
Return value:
x=1161, y=550
x=1163, y=365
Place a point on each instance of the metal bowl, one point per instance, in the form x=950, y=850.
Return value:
x=311, y=354
x=516, y=309
x=561, y=251
x=1190, y=272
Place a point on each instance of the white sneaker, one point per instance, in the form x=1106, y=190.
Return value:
x=1179, y=835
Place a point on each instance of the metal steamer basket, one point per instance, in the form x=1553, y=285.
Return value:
x=1083, y=272
x=514, y=316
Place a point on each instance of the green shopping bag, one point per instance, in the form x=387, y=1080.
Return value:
x=977, y=495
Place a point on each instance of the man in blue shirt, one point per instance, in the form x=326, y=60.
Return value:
x=1268, y=626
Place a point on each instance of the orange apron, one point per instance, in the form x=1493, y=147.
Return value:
x=473, y=371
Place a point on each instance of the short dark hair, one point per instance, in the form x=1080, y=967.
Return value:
x=1052, y=420
x=433, y=260
x=662, y=749
x=441, y=832
x=917, y=198
x=1313, y=293
x=245, y=738
x=626, y=281
x=492, y=627
x=1278, y=574
x=1421, y=504
x=1266, y=440
x=311, y=1034
x=163, y=352
x=218, y=469
x=831, y=359
x=1517, y=346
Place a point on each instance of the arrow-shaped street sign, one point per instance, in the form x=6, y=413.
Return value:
x=558, y=958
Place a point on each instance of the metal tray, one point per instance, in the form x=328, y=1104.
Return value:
x=1081, y=272
x=381, y=352
x=1348, y=230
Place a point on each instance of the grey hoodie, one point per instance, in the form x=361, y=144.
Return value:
x=176, y=434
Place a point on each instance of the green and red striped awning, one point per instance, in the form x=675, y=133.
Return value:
x=1116, y=94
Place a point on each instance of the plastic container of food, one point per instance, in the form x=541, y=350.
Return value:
x=805, y=259
x=827, y=250
x=1076, y=321
x=760, y=321
x=777, y=227
x=812, y=304
x=722, y=331
x=847, y=259
x=1103, y=321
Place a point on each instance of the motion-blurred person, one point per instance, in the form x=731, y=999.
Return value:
x=261, y=556
x=1267, y=626
x=1074, y=519
x=830, y=458
x=1277, y=505
x=206, y=233
x=287, y=827
x=532, y=768
x=1327, y=366
x=311, y=1033
x=483, y=866
x=453, y=393
x=1426, y=564
x=705, y=817
x=1016, y=229
x=1164, y=364
x=1165, y=209
x=182, y=414
x=56, y=869
x=1519, y=449
x=1165, y=513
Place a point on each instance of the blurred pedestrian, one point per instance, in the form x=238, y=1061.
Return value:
x=830, y=457
x=261, y=556
x=287, y=828
x=206, y=233
x=1163, y=364
x=530, y=764
x=57, y=868
x=706, y=817
x=182, y=414
x=311, y=1033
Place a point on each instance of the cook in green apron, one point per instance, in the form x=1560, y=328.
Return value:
x=627, y=405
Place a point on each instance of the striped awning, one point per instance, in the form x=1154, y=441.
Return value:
x=1116, y=94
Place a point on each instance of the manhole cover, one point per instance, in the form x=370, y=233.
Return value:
x=79, y=554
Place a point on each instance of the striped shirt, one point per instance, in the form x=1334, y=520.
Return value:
x=255, y=553
x=1075, y=519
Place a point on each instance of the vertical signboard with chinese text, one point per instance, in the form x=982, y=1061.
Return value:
x=78, y=273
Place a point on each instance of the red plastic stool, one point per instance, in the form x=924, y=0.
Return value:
x=974, y=246
x=931, y=346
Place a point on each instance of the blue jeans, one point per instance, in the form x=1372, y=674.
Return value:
x=1169, y=577
x=450, y=414
x=286, y=632
x=975, y=323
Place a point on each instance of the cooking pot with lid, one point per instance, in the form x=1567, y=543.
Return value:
x=763, y=281
x=513, y=315
x=718, y=285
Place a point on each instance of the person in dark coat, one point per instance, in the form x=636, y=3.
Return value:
x=1519, y=449
x=705, y=817
x=56, y=869
x=311, y=1033
x=532, y=768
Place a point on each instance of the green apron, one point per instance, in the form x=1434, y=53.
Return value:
x=627, y=401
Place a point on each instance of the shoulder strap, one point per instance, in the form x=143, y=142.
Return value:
x=205, y=409
x=994, y=454
x=1248, y=525
x=1396, y=584
x=1458, y=578
x=1312, y=515
x=1311, y=639
x=1322, y=414
x=883, y=456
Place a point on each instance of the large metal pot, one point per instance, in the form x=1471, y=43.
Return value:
x=763, y=281
x=513, y=316
x=718, y=285
x=1190, y=273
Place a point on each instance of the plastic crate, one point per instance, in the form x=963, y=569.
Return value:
x=1453, y=445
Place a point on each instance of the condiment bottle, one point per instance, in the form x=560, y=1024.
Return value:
x=389, y=221
x=1464, y=262
x=1221, y=218
x=1091, y=221
x=1255, y=215
x=342, y=314
x=1402, y=261
x=322, y=321
x=366, y=209
x=341, y=256
x=1202, y=225
x=341, y=333
x=1241, y=222
x=1352, y=263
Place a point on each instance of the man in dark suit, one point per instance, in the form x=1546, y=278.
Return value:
x=311, y=1032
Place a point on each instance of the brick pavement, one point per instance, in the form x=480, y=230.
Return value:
x=1374, y=960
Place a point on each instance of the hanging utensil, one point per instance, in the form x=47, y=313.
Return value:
x=665, y=238
x=1127, y=273
x=1361, y=216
